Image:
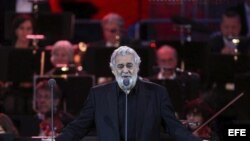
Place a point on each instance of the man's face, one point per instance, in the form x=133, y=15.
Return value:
x=230, y=26
x=111, y=31
x=43, y=101
x=60, y=57
x=166, y=58
x=125, y=68
x=194, y=118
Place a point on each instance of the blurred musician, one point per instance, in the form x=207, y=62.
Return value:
x=197, y=112
x=186, y=84
x=22, y=26
x=62, y=58
x=42, y=101
x=228, y=41
x=114, y=32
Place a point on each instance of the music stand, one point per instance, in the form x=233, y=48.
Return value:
x=4, y=55
x=24, y=63
x=75, y=90
x=175, y=92
x=223, y=68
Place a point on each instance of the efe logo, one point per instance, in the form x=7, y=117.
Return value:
x=237, y=132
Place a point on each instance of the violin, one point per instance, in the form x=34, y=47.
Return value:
x=204, y=133
x=45, y=125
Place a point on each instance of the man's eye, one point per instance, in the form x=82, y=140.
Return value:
x=129, y=65
x=120, y=66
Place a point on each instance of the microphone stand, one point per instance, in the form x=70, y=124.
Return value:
x=126, y=115
x=126, y=90
x=52, y=83
x=52, y=113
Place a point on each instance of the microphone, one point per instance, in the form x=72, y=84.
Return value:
x=52, y=83
x=126, y=83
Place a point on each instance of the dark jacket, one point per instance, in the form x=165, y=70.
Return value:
x=216, y=44
x=153, y=110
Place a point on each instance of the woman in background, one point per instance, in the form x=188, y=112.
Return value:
x=21, y=27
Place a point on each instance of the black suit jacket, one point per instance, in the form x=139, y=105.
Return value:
x=153, y=110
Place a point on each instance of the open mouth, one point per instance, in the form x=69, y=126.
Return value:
x=126, y=77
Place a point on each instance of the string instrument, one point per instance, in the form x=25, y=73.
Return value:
x=202, y=130
x=204, y=133
x=45, y=125
x=203, y=127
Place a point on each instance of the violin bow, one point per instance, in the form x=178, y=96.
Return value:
x=219, y=112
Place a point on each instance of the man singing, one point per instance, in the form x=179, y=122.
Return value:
x=148, y=107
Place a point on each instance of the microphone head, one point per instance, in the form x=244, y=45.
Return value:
x=52, y=82
x=126, y=82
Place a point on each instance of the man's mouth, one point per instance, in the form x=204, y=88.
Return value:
x=126, y=77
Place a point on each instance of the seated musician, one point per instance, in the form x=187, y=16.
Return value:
x=22, y=26
x=42, y=101
x=187, y=82
x=62, y=56
x=197, y=112
x=230, y=29
x=114, y=33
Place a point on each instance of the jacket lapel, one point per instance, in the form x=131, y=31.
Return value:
x=143, y=97
x=113, y=110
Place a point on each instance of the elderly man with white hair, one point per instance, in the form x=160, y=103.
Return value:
x=114, y=32
x=62, y=55
x=128, y=109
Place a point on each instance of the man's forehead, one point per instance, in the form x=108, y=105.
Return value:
x=166, y=54
x=128, y=58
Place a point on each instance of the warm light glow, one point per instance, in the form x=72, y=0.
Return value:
x=235, y=41
x=82, y=46
x=64, y=68
x=235, y=58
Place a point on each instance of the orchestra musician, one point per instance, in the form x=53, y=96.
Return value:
x=197, y=112
x=182, y=85
x=41, y=121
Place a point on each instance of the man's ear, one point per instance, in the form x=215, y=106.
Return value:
x=113, y=71
x=138, y=69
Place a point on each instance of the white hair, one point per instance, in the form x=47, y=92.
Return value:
x=113, y=17
x=124, y=50
x=63, y=45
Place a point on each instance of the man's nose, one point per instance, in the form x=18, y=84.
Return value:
x=125, y=70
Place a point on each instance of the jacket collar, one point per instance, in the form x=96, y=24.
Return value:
x=142, y=100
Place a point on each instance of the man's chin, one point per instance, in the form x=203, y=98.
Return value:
x=126, y=76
